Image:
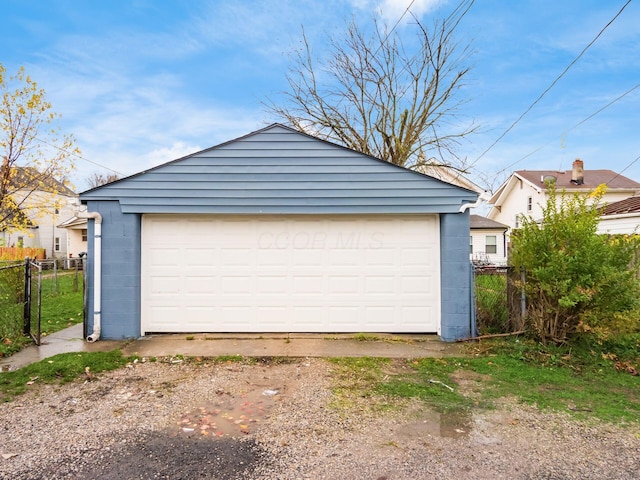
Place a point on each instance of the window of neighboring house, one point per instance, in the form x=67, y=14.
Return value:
x=490, y=245
x=84, y=234
x=517, y=221
x=470, y=244
x=20, y=242
x=56, y=244
x=529, y=204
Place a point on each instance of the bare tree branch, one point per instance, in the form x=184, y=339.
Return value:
x=383, y=97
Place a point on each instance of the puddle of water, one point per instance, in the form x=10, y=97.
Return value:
x=456, y=424
x=229, y=415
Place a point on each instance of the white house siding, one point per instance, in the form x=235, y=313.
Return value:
x=620, y=224
x=46, y=220
x=479, y=241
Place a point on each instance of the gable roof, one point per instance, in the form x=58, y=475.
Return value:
x=32, y=179
x=628, y=205
x=13, y=216
x=479, y=222
x=280, y=170
x=592, y=178
x=450, y=175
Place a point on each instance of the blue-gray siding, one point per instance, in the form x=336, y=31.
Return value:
x=280, y=171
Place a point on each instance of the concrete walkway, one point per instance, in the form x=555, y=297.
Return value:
x=246, y=345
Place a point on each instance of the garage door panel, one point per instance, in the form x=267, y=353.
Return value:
x=288, y=274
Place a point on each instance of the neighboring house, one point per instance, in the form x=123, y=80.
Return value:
x=76, y=235
x=488, y=241
x=278, y=231
x=525, y=192
x=450, y=175
x=621, y=217
x=44, y=203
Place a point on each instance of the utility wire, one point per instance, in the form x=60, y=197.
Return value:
x=78, y=156
x=620, y=97
x=554, y=82
x=623, y=170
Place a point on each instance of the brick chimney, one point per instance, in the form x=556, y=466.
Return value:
x=577, y=174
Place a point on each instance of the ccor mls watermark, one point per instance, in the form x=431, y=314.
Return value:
x=320, y=240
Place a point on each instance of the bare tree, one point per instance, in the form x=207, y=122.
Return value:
x=96, y=179
x=382, y=97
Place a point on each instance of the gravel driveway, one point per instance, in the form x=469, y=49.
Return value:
x=275, y=421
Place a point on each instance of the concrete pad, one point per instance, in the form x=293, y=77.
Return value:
x=298, y=345
x=246, y=345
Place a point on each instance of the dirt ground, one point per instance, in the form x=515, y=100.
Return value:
x=280, y=421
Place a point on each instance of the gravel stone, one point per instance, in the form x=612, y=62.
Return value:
x=127, y=424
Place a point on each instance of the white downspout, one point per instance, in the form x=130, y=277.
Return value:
x=483, y=197
x=97, y=270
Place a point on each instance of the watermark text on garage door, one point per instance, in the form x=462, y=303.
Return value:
x=320, y=240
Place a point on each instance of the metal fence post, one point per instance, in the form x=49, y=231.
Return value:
x=27, y=297
x=75, y=277
x=55, y=275
x=523, y=296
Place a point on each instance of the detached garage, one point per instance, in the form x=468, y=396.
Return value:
x=279, y=231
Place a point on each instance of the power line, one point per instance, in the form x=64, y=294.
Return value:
x=623, y=170
x=77, y=156
x=554, y=82
x=573, y=127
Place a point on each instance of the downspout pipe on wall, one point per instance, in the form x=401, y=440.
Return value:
x=483, y=197
x=97, y=271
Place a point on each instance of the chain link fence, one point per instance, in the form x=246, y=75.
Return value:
x=61, y=275
x=25, y=285
x=499, y=301
x=11, y=299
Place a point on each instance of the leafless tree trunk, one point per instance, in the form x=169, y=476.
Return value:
x=377, y=94
x=97, y=179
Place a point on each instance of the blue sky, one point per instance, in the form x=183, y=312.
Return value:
x=142, y=82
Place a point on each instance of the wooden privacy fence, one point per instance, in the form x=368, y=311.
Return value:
x=17, y=253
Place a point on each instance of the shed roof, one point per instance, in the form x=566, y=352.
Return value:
x=628, y=205
x=279, y=170
x=484, y=223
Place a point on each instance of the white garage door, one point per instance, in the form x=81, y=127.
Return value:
x=205, y=273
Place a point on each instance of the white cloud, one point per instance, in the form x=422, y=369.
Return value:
x=393, y=10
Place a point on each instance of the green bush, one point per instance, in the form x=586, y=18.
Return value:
x=492, y=315
x=576, y=279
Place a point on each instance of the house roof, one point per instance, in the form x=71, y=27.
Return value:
x=279, y=170
x=538, y=179
x=592, y=178
x=484, y=223
x=628, y=205
x=74, y=222
x=36, y=180
x=450, y=175
x=12, y=217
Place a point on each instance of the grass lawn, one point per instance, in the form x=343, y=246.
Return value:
x=588, y=380
x=62, y=368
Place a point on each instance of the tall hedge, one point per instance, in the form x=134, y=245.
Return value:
x=576, y=279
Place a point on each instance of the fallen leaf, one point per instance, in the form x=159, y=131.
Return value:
x=7, y=456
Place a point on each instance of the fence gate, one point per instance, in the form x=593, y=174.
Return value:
x=32, y=299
